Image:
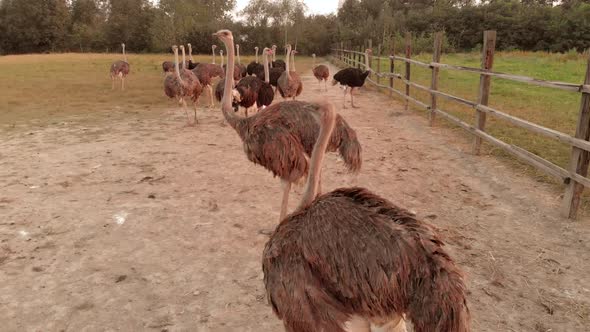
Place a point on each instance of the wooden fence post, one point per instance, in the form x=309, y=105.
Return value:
x=487, y=62
x=436, y=52
x=391, y=68
x=580, y=158
x=408, y=55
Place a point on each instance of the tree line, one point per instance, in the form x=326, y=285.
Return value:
x=147, y=26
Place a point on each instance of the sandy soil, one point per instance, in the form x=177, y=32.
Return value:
x=133, y=223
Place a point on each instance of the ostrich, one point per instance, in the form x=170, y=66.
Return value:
x=280, y=137
x=120, y=69
x=289, y=84
x=239, y=65
x=206, y=72
x=349, y=260
x=213, y=48
x=352, y=78
x=321, y=73
x=182, y=84
x=277, y=63
x=252, y=90
x=191, y=64
x=255, y=67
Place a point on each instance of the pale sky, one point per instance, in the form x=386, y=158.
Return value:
x=313, y=6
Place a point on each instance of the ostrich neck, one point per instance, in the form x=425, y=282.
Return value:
x=266, y=69
x=176, y=67
x=226, y=102
x=213, y=55
x=183, y=59
x=124, y=54
x=313, y=65
x=287, y=66
x=190, y=52
x=293, y=61
x=238, y=55
x=256, y=55
x=222, y=60
x=327, y=123
x=367, y=61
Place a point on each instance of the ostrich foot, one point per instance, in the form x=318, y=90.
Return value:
x=266, y=231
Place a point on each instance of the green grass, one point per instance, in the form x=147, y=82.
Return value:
x=45, y=88
x=552, y=108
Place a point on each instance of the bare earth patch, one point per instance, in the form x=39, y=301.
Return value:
x=137, y=223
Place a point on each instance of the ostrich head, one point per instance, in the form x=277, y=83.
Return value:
x=256, y=48
x=313, y=55
x=214, y=47
x=224, y=35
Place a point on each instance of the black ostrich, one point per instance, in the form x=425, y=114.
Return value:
x=253, y=90
x=254, y=66
x=352, y=78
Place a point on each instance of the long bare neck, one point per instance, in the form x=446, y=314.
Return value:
x=176, y=66
x=238, y=54
x=256, y=55
x=190, y=52
x=213, y=49
x=287, y=60
x=327, y=123
x=274, y=54
x=266, y=69
x=313, y=61
x=124, y=54
x=367, y=60
x=293, y=61
x=226, y=106
x=183, y=59
x=221, y=55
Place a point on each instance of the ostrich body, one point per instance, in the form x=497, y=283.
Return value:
x=352, y=78
x=349, y=260
x=289, y=84
x=205, y=72
x=254, y=66
x=120, y=69
x=181, y=84
x=191, y=64
x=252, y=90
x=281, y=137
x=168, y=66
x=321, y=73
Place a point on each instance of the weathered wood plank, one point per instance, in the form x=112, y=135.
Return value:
x=487, y=63
x=408, y=66
x=412, y=61
x=436, y=54
x=580, y=159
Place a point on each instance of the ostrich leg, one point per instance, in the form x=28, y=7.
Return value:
x=344, y=100
x=396, y=325
x=352, y=98
x=122, y=83
x=326, y=84
x=185, y=111
x=210, y=89
x=113, y=82
x=195, y=108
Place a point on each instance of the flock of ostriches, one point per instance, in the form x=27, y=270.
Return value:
x=346, y=260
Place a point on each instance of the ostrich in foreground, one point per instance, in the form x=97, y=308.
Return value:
x=120, y=69
x=254, y=66
x=182, y=84
x=349, y=260
x=289, y=84
x=252, y=90
x=321, y=73
x=280, y=137
x=352, y=78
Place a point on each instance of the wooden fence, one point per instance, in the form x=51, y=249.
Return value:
x=574, y=177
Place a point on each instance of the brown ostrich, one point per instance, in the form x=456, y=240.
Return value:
x=349, y=260
x=289, y=84
x=352, y=78
x=120, y=69
x=321, y=73
x=206, y=72
x=281, y=137
x=191, y=64
x=182, y=84
x=251, y=90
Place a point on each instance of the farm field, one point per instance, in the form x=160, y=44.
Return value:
x=555, y=109
x=115, y=216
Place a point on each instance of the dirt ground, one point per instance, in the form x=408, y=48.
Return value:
x=136, y=223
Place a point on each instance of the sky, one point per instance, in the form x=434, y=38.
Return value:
x=313, y=6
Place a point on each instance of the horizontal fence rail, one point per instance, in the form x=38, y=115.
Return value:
x=574, y=177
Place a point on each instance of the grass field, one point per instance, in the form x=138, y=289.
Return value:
x=42, y=88
x=551, y=108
